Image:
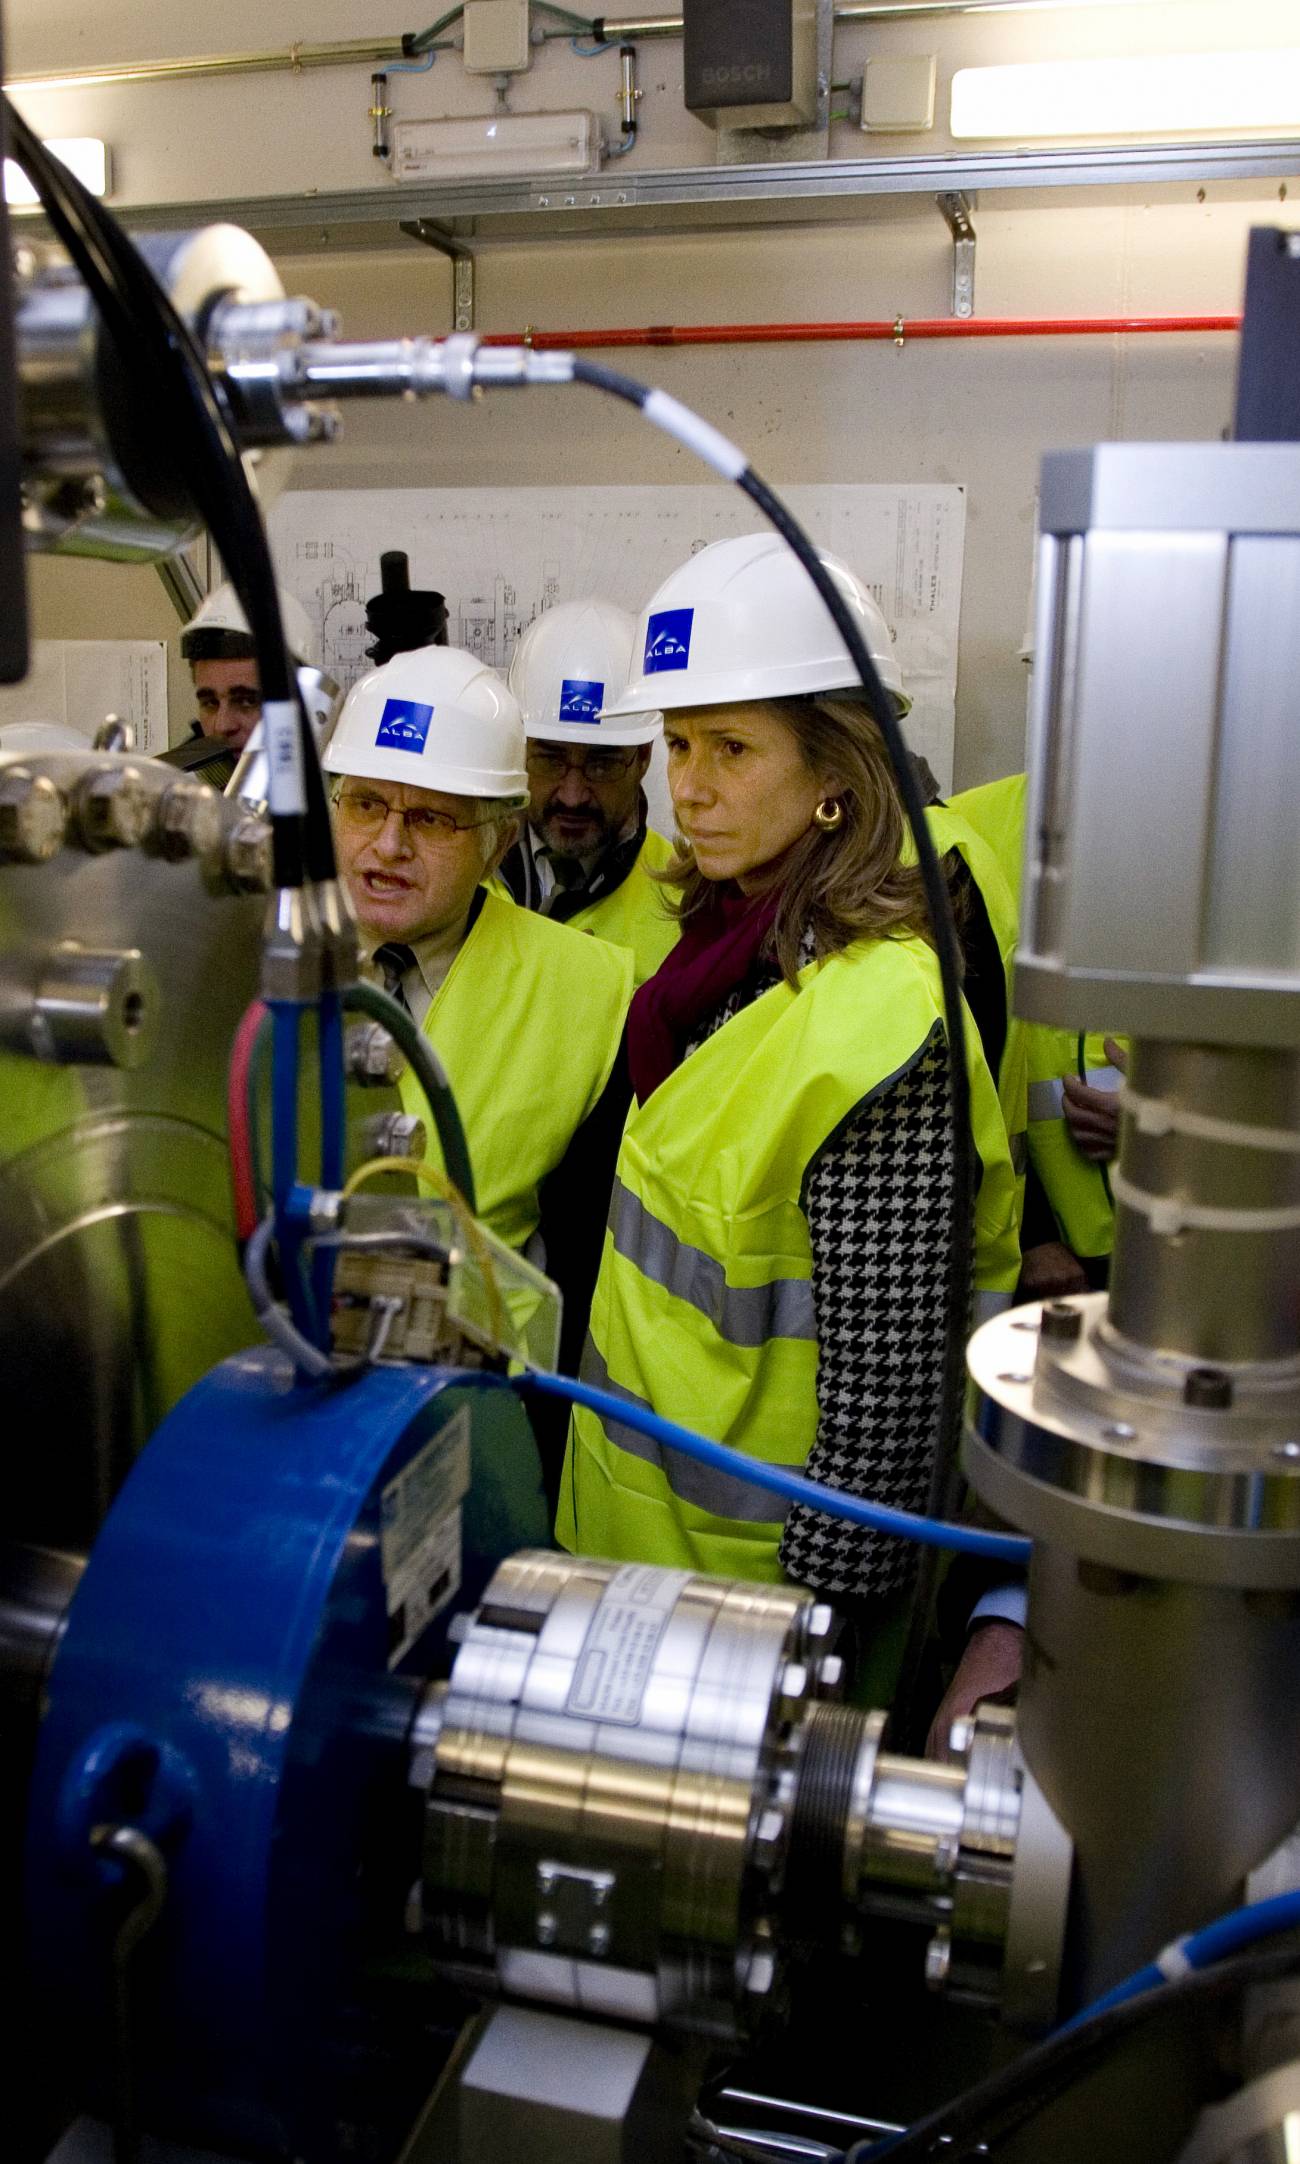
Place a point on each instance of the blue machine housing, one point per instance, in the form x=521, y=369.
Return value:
x=237, y=1680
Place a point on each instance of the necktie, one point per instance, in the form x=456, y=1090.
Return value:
x=394, y=959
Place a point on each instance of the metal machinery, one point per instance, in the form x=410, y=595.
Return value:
x=304, y=1762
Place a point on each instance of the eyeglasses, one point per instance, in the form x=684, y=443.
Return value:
x=552, y=763
x=420, y=823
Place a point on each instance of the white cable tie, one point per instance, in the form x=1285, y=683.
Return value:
x=1173, y=1963
x=699, y=436
x=1158, y=1116
x=1169, y=1215
x=286, y=792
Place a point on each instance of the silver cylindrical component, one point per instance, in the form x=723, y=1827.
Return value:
x=94, y=1007
x=609, y=1742
x=33, y=817
x=1125, y=1677
x=1207, y=1245
x=381, y=112
x=36, y=1586
x=96, y=475
x=628, y=94
x=1168, y=648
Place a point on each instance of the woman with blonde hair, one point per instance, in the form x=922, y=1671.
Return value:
x=776, y=1264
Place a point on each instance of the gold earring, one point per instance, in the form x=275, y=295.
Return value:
x=829, y=814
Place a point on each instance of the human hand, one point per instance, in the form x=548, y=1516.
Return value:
x=1050, y=1271
x=992, y=1662
x=1092, y=1115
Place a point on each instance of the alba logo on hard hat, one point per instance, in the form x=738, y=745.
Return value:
x=404, y=724
x=581, y=699
x=668, y=641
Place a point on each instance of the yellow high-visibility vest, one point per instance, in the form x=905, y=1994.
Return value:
x=704, y=1305
x=639, y=915
x=1076, y=1188
x=527, y=1023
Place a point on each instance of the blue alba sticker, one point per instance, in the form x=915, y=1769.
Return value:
x=580, y=699
x=404, y=724
x=668, y=641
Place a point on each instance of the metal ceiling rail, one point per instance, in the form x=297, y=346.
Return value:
x=720, y=189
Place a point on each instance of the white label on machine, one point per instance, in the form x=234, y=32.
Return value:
x=420, y=1534
x=622, y=1640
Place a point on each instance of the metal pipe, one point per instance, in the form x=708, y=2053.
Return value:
x=350, y=52
x=898, y=330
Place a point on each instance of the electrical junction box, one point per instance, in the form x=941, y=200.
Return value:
x=752, y=65
x=898, y=94
x=497, y=40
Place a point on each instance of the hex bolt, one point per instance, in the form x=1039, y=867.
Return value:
x=370, y=1055
x=830, y=1675
x=793, y=1690
x=961, y=1735
x=247, y=858
x=768, y=1835
x=818, y=1622
x=112, y=808
x=547, y=1928
x=938, y=1960
x=187, y=822
x=546, y=1879
x=33, y=817
x=598, y=1940
x=1209, y=1388
x=1061, y=1323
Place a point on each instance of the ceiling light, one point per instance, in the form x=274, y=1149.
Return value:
x=494, y=145
x=1153, y=95
x=83, y=155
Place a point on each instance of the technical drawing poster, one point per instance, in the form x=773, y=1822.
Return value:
x=502, y=555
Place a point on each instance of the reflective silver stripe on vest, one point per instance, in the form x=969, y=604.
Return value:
x=705, y=1487
x=745, y=1315
x=1047, y=1099
x=986, y=1305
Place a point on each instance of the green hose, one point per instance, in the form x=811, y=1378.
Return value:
x=366, y=998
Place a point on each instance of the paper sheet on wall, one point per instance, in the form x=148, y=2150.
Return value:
x=501, y=555
x=79, y=682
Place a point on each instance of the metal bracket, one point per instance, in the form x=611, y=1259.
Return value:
x=436, y=236
x=956, y=210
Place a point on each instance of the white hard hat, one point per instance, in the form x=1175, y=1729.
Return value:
x=18, y=738
x=571, y=666
x=437, y=718
x=221, y=611
x=742, y=620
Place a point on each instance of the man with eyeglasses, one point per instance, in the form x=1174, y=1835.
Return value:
x=525, y=1015
x=586, y=853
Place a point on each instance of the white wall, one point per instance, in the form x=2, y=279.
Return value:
x=980, y=412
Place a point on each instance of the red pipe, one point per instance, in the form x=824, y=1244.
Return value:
x=900, y=331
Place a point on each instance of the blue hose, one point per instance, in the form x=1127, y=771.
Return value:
x=286, y=1019
x=928, y=1532
x=1213, y=1942
x=332, y=1143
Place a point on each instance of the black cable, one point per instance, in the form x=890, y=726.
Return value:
x=948, y=950
x=996, y=2107
x=191, y=413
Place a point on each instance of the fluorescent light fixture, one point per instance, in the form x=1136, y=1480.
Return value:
x=493, y=145
x=1154, y=94
x=83, y=155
